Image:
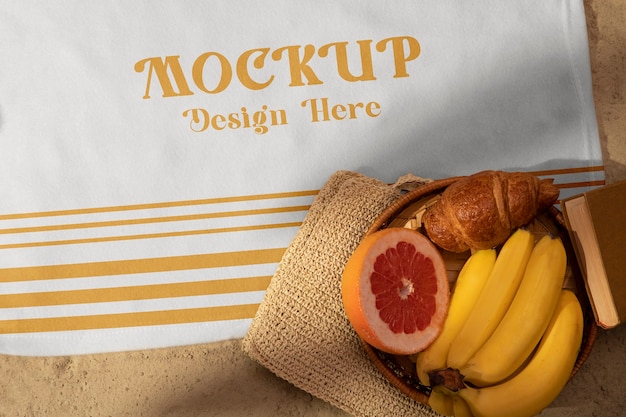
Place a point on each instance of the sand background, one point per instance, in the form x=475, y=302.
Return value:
x=219, y=380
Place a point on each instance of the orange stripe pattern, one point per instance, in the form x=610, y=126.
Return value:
x=155, y=264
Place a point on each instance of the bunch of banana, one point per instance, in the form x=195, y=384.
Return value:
x=545, y=375
x=495, y=298
x=526, y=319
x=468, y=286
x=507, y=317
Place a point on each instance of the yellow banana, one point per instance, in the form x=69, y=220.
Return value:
x=495, y=298
x=441, y=403
x=541, y=381
x=467, y=288
x=460, y=407
x=521, y=328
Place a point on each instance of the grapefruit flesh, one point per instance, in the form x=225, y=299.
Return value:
x=395, y=291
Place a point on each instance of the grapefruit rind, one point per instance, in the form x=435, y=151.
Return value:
x=360, y=301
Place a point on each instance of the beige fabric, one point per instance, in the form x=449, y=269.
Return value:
x=300, y=331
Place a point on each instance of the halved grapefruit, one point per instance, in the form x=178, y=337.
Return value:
x=395, y=291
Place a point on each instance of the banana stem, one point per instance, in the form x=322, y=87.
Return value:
x=449, y=379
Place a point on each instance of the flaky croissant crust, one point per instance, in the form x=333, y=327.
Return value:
x=480, y=211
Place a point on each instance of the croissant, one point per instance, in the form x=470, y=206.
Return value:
x=481, y=211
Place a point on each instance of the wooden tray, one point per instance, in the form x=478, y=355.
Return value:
x=406, y=212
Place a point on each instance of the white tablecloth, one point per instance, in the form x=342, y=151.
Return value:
x=157, y=157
